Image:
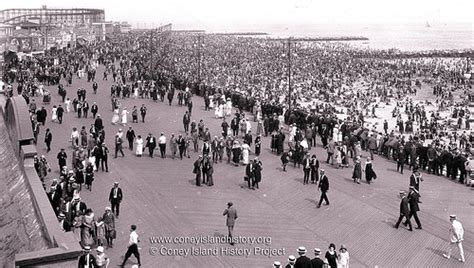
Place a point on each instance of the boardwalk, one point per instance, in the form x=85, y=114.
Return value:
x=160, y=197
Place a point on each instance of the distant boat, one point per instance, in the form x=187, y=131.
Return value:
x=428, y=25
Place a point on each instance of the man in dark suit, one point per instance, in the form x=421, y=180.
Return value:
x=115, y=198
x=181, y=146
x=302, y=261
x=231, y=214
x=78, y=207
x=306, y=168
x=324, y=187
x=400, y=159
x=54, y=196
x=316, y=262
x=186, y=121
x=404, y=211
x=60, y=113
x=415, y=179
x=413, y=200
x=197, y=170
x=48, y=138
x=87, y=259
x=130, y=137
x=98, y=123
x=151, y=144
x=94, y=109
x=249, y=174
x=62, y=156
x=104, y=158
x=257, y=172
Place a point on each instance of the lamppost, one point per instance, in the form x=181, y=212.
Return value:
x=198, y=45
x=288, y=55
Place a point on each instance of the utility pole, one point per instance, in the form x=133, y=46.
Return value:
x=289, y=73
x=199, y=59
x=151, y=53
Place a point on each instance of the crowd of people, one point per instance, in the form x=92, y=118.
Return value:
x=237, y=75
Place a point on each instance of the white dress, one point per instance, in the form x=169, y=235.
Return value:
x=228, y=108
x=245, y=153
x=68, y=105
x=211, y=101
x=220, y=111
x=249, y=127
x=124, y=117
x=139, y=150
x=54, y=114
x=115, y=117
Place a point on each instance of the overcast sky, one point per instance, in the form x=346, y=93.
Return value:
x=202, y=13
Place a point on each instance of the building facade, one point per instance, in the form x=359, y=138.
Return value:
x=53, y=16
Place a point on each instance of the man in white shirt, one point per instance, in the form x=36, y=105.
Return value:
x=456, y=233
x=132, y=246
x=162, y=145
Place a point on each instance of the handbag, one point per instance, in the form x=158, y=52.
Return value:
x=113, y=233
x=246, y=178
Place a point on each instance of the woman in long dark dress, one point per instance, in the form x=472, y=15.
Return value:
x=331, y=256
x=357, y=173
x=369, y=171
x=89, y=176
x=236, y=151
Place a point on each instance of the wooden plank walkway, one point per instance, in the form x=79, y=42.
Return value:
x=160, y=197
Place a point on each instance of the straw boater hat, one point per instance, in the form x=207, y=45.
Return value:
x=100, y=249
x=301, y=250
x=276, y=264
x=317, y=251
x=291, y=258
x=452, y=217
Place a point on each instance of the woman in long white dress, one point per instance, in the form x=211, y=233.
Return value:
x=220, y=110
x=54, y=113
x=67, y=102
x=228, y=107
x=135, y=93
x=245, y=153
x=124, y=116
x=139, y=150
x=115, y=117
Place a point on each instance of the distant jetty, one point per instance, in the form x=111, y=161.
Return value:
x=240, y=33
x=321, y=39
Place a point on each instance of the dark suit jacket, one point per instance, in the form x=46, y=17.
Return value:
x=404, y=206
x=151, y=142
x=413, y=199
x=324, y=183
x=98, y=124
x=306, y=162
x=119, y=195
x=197, y=166
x=317, y=263
x=303, y=262
x=82, y=261
x=249, y=170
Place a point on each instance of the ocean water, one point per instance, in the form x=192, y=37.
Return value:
x=406, y=37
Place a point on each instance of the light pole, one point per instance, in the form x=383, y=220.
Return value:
x=289, y=73
x=151, y=54
x=199, y=45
